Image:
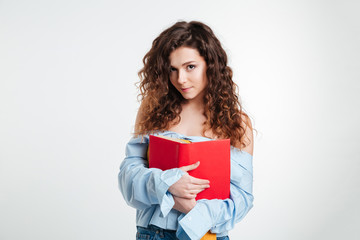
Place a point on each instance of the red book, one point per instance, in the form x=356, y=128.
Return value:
x=214, y=156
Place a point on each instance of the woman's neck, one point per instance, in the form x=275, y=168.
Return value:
x=195, y=104
x=192, y=118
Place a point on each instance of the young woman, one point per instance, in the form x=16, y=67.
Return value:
x=187, y=92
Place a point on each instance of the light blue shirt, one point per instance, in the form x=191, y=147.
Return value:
x=146, y=189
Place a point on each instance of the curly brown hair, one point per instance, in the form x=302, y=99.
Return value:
x=161, y=102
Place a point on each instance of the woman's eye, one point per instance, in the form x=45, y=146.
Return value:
x=191, y=67
x=172, y=69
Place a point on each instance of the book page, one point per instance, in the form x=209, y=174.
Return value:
x=174, y=139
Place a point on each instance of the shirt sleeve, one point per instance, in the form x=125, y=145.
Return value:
x=141, y=186
x=221, y=215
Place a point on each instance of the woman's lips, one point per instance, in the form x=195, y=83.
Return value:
x=185, y=89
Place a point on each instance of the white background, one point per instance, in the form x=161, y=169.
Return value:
x=68, y=104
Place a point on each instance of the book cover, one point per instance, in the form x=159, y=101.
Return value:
x=214, y=156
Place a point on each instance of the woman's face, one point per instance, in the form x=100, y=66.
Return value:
x=188, y=72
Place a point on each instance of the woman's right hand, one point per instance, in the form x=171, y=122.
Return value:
x=184, y=205
x=188, y=186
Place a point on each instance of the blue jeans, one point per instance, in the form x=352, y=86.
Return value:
x=155, y=233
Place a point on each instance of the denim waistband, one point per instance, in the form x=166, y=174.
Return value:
x=157, y=229
x=161, y=231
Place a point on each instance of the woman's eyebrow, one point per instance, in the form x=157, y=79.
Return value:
x=188, y=62
x=185, y=63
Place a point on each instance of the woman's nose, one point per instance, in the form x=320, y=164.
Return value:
x=181, y=77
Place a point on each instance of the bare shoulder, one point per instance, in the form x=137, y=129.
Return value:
x=139, y=117
x=248, y=138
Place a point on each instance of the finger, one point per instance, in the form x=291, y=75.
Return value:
x=196, y=192
x=190, y=167
x=199, y=181
x=191, y=195
x=199, y=188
